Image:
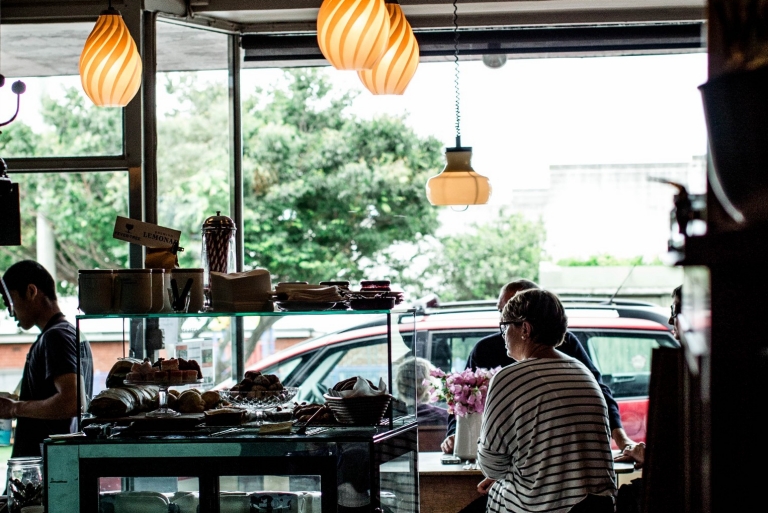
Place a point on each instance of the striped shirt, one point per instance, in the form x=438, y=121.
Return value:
x=545, y=437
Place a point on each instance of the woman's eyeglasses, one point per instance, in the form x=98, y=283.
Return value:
x=504, y=326
x=674, y=311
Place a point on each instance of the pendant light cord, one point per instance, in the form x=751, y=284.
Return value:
x=456, y=71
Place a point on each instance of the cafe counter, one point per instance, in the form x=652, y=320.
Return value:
x=236, y=470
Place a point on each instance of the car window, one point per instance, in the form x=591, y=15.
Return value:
x=624, y=361
x=284, y=369
x=449, y=350
x=367, y=359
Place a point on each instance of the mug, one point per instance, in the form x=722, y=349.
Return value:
x=132, y=292
x=94, y=290
x=196, y=295
x=161, y=281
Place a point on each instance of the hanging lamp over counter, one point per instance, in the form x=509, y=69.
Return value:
x=353, y=34
x=458, y=184
x=394, y=70
x=110, y=65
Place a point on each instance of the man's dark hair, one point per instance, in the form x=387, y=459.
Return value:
x=543, y=311
x=21, y=274
x=520, y=284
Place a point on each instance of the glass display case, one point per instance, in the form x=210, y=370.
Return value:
x=191, y=467
x=335, y=469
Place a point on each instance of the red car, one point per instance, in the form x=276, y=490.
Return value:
x=619, y=337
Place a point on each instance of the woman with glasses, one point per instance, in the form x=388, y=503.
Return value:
x=545, y=439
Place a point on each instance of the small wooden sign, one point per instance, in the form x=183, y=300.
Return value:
x=145, y=234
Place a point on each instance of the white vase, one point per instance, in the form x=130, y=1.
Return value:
x=467, y=433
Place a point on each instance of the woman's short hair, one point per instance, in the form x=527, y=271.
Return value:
x=543, y=311
x=412, y=373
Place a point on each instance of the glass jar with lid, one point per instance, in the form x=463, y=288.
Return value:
x=25, y=483
x=218, y=252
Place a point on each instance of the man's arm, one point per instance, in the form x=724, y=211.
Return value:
x=572, y=347
x=61, y=405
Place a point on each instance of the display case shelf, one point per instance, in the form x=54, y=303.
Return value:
x=237, y=470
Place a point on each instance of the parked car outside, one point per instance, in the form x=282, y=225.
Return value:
x=619, y=336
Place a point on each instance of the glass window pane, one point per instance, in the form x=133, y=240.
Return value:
x=67, y=221
x=624, y=362
x=193, y=135
x=56, y=118
x=335, y=175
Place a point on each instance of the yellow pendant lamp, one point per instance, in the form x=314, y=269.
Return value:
x=353, y=34
x=110, y=65
x=394, y=70
x=458, y=184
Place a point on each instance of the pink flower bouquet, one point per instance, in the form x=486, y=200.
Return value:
x=465, y=391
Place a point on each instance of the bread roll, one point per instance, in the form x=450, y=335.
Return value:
x=211, y=398
x=190, y=401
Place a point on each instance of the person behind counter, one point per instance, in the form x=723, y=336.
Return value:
x=545, y=441
x=47, y=402
x=490, y=352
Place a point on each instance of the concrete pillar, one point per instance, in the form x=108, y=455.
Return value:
x=46, y=245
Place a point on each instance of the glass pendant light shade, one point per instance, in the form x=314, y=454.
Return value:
x=353, y=34
x=458, y=184
x=110, y=65
x=394, y=70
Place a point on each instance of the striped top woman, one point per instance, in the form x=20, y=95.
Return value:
x=545, y=440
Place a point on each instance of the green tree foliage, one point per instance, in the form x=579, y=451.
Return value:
x=193, y=160
x=606, y=261
x=81, y=207
x=476, y=263
x=326, y=190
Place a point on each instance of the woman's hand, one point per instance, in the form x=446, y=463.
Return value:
x=485, y=485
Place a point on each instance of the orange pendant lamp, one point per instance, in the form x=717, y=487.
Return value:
x=353, y=34
x=110, y=65
x=458, y=184
x=395, y=69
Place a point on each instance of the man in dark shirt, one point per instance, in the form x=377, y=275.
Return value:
x=47, y=402
x=491, y=351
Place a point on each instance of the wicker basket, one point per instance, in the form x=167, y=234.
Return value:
x=367, y=411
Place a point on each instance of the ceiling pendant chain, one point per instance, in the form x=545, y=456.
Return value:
x=456, y=71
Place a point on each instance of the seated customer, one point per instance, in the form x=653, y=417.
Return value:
x=411, y=387
x=545, y=440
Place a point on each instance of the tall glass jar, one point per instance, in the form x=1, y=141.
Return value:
x=218, y=252
x=25, y=483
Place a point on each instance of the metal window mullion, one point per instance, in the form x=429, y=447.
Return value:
x=133, y=136
x=236, y=189
x=66, y=164
x=149, y=91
